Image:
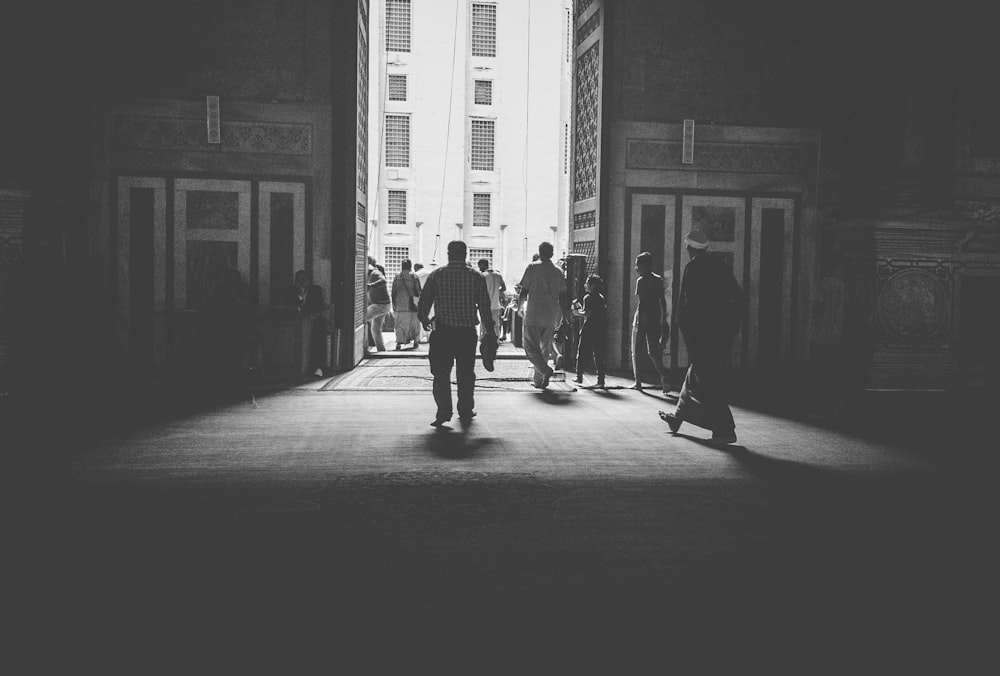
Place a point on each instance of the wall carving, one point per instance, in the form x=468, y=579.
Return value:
x=582, y=6
x=588, y=27
x=587, y=130
x=588, y=249
x=10, y=248
x=151, y=133
x=774, y=159
x=913, y=303
x=13, y=210
x=360, y=278
x=362, y=140
x=587, y=219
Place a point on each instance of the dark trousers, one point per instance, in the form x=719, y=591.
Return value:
x=453, y=346
x=702, y=399
x=592, y=343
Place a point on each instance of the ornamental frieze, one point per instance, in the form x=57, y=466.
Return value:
x=151, y=133
x=761, y=159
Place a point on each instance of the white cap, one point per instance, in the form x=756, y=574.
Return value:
x=696, y=239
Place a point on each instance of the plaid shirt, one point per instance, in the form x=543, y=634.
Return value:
x=455, y=291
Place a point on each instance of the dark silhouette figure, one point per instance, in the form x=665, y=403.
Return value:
x=593, y=333
x=305, y=295
x=709, y=315
x=458, y=295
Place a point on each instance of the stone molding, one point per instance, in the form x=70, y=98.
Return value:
x=733, y=157
x=183, y=134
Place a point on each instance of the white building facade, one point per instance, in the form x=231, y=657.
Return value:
x=470, y=139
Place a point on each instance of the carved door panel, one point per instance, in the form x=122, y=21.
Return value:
x=140, y=274
x=358, y=285
x=769, y=291
x=282, y=239
x=211, y=236
x=723, y=219
x=653, y=230
x=588, y=74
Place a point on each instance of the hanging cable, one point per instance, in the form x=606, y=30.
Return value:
x=527, y=127
x=384, y=85
x=447, y=132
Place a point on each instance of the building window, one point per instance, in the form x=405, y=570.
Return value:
x=481, y=209
x=482, y=145
x=397, y=207
x=392, y=259
x=397, y=140
x=484, y=29
x=397, y=87
x=476, y=254
x=397, y=25
x=484, y=92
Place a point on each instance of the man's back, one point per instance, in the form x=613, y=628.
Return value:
x=710, y=296
x=494, y=283
x=544, y=283
x=455, y=291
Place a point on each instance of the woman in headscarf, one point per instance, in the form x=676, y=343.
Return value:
x=405, y=292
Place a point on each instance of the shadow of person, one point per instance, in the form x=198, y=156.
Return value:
x=603, y=392
x=658, y=394
x=449, y=443
x=707, y=443
x=553, y=397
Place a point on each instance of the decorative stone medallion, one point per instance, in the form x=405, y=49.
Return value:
x=912, y=305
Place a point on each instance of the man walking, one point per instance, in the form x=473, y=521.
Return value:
x=457, y=294
x=495, y=287
x=709, y=315
x=543, y=286
x=379, y=303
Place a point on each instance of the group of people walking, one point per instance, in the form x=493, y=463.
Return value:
x=456, y=299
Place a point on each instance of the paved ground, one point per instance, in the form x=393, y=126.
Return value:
x=560, y=532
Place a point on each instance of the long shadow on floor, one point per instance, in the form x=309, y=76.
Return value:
x=910, y=549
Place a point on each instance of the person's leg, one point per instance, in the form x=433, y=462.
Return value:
x=702, y=400
x=441, y=356
x=371, y=313
x=583, y=349
x=712, y=379
x=465, y=371
x=546, y=341
x=531, y=338
x=400, y=329
x=654, y=348
x=637, y=341
x=377, y=323
x=599, y=349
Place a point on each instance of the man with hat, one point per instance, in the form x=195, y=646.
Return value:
x=709, y=315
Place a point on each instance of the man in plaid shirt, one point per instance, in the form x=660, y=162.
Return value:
x=460, y=300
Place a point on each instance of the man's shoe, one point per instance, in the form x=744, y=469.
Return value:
x=674, y=422
x=466, y=418
x=440, y=421
x=546, y=378
x=723, y=438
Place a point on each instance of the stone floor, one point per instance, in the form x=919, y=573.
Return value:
x=560, y=532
